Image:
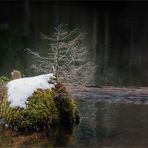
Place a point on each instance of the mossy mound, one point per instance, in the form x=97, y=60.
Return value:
x=45, y=109
x=67, y=109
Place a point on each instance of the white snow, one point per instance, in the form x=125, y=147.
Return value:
x=20, y=90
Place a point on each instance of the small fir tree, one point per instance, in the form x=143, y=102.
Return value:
x=67, y=57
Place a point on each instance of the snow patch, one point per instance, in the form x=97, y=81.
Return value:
x=20, y=90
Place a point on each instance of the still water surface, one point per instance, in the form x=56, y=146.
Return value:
x=103, y=124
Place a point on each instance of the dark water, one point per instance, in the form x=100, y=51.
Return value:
x=103, y=124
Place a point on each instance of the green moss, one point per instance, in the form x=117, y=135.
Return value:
x=45, y=109
x=3, y=79
x=41, y=112
x=65, y=105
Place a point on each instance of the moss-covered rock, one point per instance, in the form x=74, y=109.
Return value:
x=65, y=105
x=45, y=109
x=40, y=112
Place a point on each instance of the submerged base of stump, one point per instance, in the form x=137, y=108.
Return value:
x=46, y=109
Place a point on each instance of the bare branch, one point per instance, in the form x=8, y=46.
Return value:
x=67, y=57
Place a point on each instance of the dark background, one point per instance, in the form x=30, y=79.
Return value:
x=117, y=35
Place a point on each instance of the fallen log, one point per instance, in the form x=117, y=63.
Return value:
x=135, y=95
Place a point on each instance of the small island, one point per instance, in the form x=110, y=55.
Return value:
x=37, y=103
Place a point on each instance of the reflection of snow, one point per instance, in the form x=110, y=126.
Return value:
x=21, y=89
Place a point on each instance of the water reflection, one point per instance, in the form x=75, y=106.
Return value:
x=103, y=124
x=114, y=124
x=122, y=125
x=57, y=138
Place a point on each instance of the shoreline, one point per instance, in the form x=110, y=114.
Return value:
x=134, y=95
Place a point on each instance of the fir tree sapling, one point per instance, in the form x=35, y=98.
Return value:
x=67, y=57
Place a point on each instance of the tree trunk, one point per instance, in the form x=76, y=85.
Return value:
x=94, y=34
x=106, y=48
x=131, y=52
